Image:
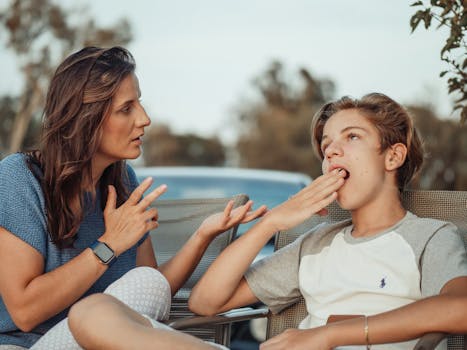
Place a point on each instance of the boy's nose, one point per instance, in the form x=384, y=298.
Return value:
x=333, y=149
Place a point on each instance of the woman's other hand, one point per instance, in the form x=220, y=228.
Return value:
x=217, y=223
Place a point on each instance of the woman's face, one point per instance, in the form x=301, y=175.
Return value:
x=124, y=126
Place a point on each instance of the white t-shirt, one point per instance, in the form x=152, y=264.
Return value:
x=339, y=274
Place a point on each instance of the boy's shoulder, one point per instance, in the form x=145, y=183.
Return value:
x=418, y=231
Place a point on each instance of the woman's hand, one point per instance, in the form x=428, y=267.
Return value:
x=221, y=222
x=125, y=225
x=313, y=199
x=299, y=339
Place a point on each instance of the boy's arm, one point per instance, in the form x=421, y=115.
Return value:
x=442, y=313
x=223, y=285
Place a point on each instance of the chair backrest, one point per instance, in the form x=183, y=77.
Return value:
x=178, y=220
x=443, y=205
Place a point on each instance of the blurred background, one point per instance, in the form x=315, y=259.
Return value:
x=236, y=83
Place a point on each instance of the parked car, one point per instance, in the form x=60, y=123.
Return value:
x=267, y=187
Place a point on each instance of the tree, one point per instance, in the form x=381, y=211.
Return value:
x=275, y=132
x=452, y=14
x=445, y=143
x=162, y=147
x=42, y=33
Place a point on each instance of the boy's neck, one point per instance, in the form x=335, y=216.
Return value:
x=372, y=220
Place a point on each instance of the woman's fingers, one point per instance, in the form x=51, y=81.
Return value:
x=138, y=192
x=255, y=214
x=151, y=197
x=228, y=208
x=111, y=199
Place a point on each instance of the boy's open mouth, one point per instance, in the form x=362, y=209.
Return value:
x=347, y=174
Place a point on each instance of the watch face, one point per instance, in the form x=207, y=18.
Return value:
x=104, y=252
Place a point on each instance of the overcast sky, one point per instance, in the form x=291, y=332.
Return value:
x=196, y=59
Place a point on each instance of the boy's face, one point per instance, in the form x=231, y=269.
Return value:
x=351, y=142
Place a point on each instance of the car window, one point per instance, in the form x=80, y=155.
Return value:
x=266, y=192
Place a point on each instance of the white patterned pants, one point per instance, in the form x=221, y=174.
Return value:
x=144, y=289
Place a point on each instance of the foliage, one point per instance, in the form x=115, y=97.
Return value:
x=40, y=33
x=452, y=14
x=445, y=143
x=275, y=132
x=162, y=147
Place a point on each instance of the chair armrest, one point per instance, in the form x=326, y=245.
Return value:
x=429, y=341
x=236, y=315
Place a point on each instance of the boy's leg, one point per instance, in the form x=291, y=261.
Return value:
x=144, y=289
x=103, y=322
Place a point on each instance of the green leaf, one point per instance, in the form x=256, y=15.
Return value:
x=443, y=73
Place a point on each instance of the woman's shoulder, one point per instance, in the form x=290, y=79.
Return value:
x=15, y=169
x=14, y=164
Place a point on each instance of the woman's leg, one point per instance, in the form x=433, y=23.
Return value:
x=143, y=289
x=103, y=322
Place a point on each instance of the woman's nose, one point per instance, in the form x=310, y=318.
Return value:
x=143, y=118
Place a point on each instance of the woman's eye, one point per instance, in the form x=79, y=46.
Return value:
x=126, y=109
x=353, y=137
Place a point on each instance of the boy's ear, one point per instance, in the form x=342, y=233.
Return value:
x=395, y=156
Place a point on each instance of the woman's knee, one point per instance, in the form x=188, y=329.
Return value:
x=145, y=290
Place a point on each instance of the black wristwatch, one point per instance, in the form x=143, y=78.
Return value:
x=104, y=253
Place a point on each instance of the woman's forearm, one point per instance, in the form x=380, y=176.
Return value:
x=222, y=278
x=48, y=294
x=180, y=267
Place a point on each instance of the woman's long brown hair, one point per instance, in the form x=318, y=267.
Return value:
x=78, y=100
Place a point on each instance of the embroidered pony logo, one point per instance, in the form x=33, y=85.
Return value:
x=382, y=283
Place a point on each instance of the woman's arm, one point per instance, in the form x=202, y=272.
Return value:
x=180, y=267
x=218, y=288
x=145, y=254
x=32, y=296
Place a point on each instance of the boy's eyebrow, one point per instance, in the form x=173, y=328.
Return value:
x=347, y=128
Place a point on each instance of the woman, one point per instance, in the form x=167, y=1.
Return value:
x=73, y=218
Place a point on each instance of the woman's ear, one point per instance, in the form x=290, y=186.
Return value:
x=395, y=156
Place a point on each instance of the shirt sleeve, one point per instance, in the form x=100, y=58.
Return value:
x=22, y=206
x=274, y=279
x=444, y=259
